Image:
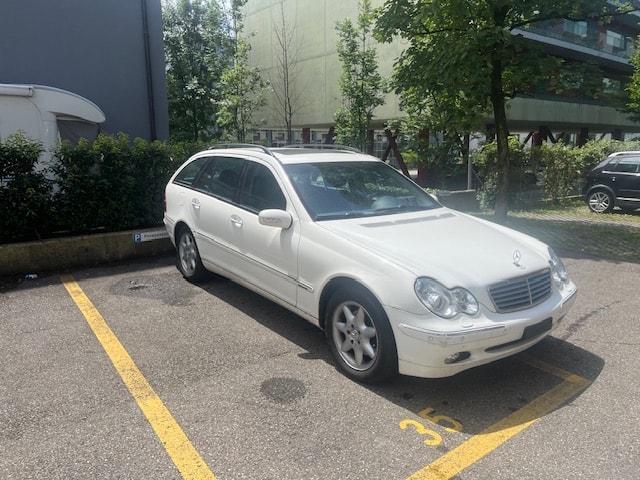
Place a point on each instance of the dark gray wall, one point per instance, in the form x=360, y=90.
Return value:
x=108, y=51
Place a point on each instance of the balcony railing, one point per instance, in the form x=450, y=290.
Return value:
x=593, y=39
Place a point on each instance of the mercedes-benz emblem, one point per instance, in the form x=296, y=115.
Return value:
x=517, y=256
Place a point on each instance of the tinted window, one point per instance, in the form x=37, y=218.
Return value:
x=189, y=173
x=221, y=177
x=627, y=164
x=261, y=190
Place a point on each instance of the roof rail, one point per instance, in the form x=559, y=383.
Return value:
x=323, y=146
x=242, y=145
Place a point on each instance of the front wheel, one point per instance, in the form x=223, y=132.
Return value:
x=188, y=258
x=360, y=337
x=600, y=201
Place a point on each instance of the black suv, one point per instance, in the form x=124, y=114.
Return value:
x=614, y=182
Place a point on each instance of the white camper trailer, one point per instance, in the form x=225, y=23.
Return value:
x=47, y=114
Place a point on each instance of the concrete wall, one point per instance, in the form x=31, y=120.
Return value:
x=110, y=52
x=314, y=38
x=81, y=251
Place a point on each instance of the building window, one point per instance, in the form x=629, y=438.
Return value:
x=575, y=28
x=615, y=40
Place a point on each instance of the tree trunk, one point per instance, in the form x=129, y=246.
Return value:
x=393, y=147
x=502, y=139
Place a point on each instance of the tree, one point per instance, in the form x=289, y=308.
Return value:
x=243, y=94
x=283, y=82
x=243, y=90
x=469, y=55
x=198, y=47
x=633, y=89
x=362, y=87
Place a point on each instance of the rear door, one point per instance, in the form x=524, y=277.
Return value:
x=211, y=201
x=625, y=177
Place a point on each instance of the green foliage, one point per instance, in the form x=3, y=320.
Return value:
x=24, y=192
x=150, y=168
x=435, y=153
x=633, y=89
x=563, y=169
x=486, y=163
x=464, y=55
x=555, y=170
x=362, y=87
x=198, y=41
x=181, y=151
x=243, y=94
x=111, y=184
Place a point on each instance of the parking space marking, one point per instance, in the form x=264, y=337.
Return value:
x=175, y=441
x=478, y=446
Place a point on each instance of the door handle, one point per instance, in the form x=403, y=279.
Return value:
x=195, y=203
x=236, y=220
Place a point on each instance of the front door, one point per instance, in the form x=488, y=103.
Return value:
x=267, y=257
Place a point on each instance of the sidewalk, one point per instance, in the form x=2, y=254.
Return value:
x=611, y=236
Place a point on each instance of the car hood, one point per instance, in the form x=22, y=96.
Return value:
x=454, y=248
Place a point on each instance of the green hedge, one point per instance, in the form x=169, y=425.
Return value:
x=25, y=194
x=553, y=170
x=114, y=184
x=111, y=184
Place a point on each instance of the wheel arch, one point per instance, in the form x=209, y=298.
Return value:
x=178, y=227
x=333, y=286
x=601, y=186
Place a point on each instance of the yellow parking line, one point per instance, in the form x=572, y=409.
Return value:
x=460, y=458
x=175, y=441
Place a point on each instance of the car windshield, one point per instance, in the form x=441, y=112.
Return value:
x=332, y=190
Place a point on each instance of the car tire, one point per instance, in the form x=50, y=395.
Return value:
x=600, y=201
x=360, y=336
x=188, y=258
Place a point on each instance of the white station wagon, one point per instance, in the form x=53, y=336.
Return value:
x=399, y=283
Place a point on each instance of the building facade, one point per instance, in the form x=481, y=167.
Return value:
x=109, y=52
x=310, y=24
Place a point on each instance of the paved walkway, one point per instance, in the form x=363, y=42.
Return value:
x=613, y=236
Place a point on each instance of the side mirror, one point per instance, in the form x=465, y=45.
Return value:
x=275, y=218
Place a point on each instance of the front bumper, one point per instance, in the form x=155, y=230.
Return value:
x=430, y=352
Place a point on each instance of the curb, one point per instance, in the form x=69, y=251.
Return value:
x=81, y=251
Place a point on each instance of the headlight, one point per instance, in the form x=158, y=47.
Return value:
x=444, y=302
x=558, y=272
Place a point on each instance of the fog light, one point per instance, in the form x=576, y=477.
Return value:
x=456, y=357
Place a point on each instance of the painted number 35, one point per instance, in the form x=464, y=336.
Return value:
x=434, y=439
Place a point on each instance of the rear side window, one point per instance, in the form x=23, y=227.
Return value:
x=627, y=165
x=187, y=176
x=221, y=177
x=218, y=176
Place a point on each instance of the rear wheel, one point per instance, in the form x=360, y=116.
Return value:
x=188, y=258
x=360, y=337
x=600, y=201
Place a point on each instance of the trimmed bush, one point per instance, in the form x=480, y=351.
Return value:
x=111, y=184
x=24, y=192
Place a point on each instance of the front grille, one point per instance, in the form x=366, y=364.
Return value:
x=521, y=292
